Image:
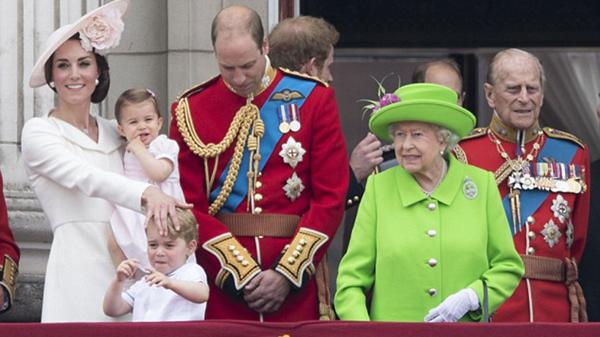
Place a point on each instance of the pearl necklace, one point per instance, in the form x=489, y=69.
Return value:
x=439, y=181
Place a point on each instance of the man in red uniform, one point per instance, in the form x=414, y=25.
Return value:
x=9, y=257
x=543, y=177
x=263, y=161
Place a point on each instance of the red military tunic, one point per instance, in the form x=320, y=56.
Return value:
x=231, y=261
x=9, y=252
x=551, y=230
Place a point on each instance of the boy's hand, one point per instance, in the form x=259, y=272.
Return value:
x=135, y=145
x=126, y=269
x=156, y=278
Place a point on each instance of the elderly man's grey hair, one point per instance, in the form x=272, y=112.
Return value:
x=443, y=134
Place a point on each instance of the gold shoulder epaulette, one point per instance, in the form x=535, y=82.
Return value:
x=303, y=75
x=554, y=133
x=475, y=133
x=196, y=88
x=460, y=154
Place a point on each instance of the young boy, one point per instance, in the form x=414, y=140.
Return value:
x=173, y=290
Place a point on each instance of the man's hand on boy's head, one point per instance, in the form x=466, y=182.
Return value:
x=156, y=278
x=126, y=269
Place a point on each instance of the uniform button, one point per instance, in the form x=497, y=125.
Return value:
x=531, y=235
x=258, y=184
x=231, y=248
x=257, y=210
x=356, y=198
x=291, y=260
x=432, y=262
x=258, y=197
x=303, y=242
x=236, y=252
x=296, y=254
x=240, y=258
x=260, y=237
x=245, y=263
x=432, y=292
x=530, y=250
x=299, y=248
x=431, y=206
x=530, y=220
x=349, y=202
x=432, y=233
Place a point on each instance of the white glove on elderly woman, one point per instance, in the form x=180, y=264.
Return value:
x=454, y=307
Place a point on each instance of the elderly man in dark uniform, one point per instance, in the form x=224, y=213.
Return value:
x=263, y=161
x=543, y=178
x=9, y=256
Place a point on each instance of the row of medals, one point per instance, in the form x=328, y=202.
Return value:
x=521, y=179
x=289, y=121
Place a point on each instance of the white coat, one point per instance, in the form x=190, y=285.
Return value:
x=76, y=181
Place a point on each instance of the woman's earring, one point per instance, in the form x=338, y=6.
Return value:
x=441, y=152
x=97, y=81
x=51, y=84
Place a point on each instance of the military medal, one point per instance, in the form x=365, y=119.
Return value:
x=569, y=233
x=551, y=233
x=560, y=208
x=292, y=152
x=284, y=126
x=295, y=123
x=293, y=187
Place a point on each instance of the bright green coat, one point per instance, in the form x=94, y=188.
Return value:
x=398, y=230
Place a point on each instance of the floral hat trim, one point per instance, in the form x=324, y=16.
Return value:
x=383, y=97
x=99, y=30
x=102, y=31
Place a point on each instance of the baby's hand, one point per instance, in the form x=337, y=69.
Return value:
x=135, y=145
x=126, y=269
x=156, y=278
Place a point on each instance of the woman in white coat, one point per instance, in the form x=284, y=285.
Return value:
x=73, y=160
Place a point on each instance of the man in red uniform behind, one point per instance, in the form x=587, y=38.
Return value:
x=9, y=256
x=263, y=161
x=543, y=177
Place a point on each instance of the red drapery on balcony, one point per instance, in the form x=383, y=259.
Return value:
x=299, y=329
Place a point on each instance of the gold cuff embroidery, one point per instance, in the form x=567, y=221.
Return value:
x=234, y=258
x=299, y=256
x=9, y=277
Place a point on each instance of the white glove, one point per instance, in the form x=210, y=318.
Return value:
x=454, y=307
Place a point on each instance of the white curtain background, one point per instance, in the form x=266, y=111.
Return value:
x=571, y=95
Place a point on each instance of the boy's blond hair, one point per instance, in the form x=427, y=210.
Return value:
x=187, y=222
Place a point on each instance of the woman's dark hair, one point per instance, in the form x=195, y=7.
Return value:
x=103, y=80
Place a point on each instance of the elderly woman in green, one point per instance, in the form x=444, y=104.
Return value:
x=431, y=233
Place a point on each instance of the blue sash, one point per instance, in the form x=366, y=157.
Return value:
x=560, y=150
x=269, y=115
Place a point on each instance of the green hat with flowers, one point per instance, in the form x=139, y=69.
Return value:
x=421, y=102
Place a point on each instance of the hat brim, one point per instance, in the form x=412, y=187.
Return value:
x=61, y=35
x=447, y=115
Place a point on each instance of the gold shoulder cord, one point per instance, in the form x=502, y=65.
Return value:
x=244, y=118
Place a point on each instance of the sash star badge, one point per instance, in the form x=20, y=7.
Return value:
x=293, y=187
x=551, y=233
x=570, y=233
x=292, y=152
x=560, y=208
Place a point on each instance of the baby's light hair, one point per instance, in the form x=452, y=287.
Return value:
x=135, y=96
x=187, y=222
